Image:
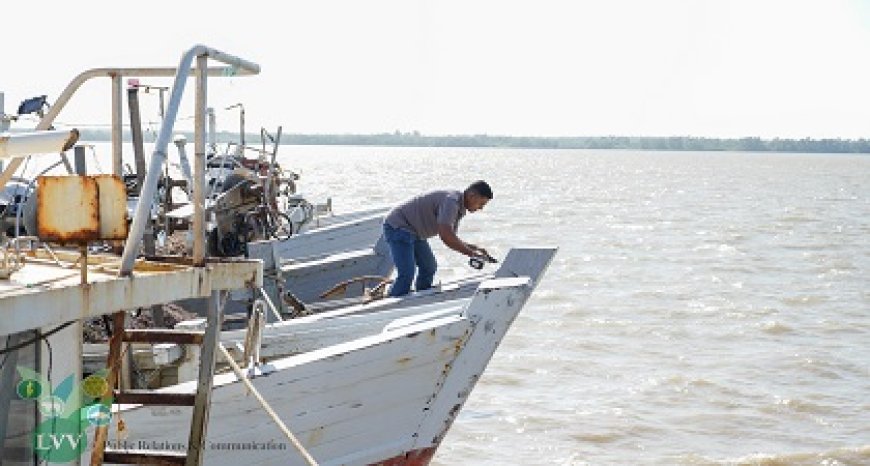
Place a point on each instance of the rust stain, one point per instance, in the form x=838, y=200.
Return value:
x=113, y=207
x=451, y=416
x=316, y=436
x=78, y=209
x=404, y=361
x=67, y=209
x=71, y=140
x=149, y=266
x=420, y=457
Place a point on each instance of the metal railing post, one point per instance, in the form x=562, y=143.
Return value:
x=199, y=164
x=158, y=158
x=117, y=124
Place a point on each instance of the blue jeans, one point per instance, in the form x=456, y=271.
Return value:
x=411, y=255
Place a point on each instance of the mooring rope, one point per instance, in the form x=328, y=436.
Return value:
x=296, y=443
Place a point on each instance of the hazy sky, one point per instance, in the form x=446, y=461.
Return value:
x=717, y=68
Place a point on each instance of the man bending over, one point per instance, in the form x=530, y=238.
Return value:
x=408, y=226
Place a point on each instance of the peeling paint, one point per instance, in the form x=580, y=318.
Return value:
x=315, y=436
x=67, y=209
x=113, y=207
x=404, y=361
x=79, y=209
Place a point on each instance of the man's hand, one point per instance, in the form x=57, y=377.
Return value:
x=476, y=261
x=478, y=251
x=481, y=253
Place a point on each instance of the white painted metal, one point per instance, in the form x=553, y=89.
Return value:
x=117, y=124
x=158, y=157
x=4, y=120
x=180, y=142
x=240, y=68
x=14, y=145
x=198, y=227
x=212, y=131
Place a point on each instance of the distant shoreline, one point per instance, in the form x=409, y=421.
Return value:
x=675, y=143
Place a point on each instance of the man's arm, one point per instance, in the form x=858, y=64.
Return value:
x=448, y=236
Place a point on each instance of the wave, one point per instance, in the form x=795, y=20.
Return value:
x=845, y=455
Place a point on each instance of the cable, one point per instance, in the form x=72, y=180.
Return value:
x=6, y=356
x=43, y=336
x=50, y=383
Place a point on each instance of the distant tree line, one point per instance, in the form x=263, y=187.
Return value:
x=675, y=143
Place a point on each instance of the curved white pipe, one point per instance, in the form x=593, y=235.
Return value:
x=13, y=145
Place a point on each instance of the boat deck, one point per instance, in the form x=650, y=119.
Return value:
x=48, y=289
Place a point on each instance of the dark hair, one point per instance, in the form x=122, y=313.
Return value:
x=481, y=188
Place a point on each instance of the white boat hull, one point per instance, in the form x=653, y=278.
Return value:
x=385, y=398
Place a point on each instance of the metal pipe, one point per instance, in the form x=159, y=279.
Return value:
x=241, y=129
x=4, y=120
x=15, y=145
x=271, y=172
x=136, y=134
x=180, y=142
x=158, y=158
x=79, y=159
x=4, y=125
x=199, y=164
x=139, y=159
x=117, y=122
x=240, y=148
x=238, y=67
x=212, y=132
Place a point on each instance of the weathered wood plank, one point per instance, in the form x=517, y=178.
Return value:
x=157, y=335
x=151, y=397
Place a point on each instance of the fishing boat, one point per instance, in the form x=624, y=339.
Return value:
x=256, y=211
x=365, y=381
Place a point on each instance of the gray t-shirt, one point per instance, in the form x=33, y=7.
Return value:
x=422, y=214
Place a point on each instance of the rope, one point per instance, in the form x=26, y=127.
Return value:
x=266, y=407
x=271, y=304
x=42, y=336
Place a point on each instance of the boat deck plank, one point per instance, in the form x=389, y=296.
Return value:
x=45, y=293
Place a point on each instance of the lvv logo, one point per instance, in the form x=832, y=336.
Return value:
x=68, y=411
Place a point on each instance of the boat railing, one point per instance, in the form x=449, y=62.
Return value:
x=158, y=157
x=116, y=75
x=200, y=70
